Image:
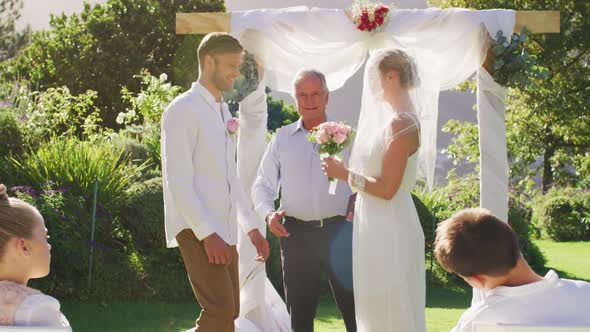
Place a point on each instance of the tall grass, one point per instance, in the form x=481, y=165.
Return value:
x=77, y=164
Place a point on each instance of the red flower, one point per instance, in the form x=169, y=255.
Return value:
x=363, y=22
x=382, y=10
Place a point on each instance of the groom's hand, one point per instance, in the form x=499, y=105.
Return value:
x=217, y=250
x=274, y=223
x=262, y=247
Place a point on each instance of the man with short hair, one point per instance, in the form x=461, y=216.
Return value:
x=484, y=251
x=315, y=236
x=203, y=198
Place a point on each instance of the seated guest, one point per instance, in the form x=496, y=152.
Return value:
x=24, y=255
x=484, y=251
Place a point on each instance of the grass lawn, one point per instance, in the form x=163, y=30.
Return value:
x=444, y=306
x=569, y=259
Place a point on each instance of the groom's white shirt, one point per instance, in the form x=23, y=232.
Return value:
x=201, y=187
x=550, y=302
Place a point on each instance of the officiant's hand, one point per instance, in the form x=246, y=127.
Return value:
x=262, y=247
x=274, y=223
x=217, y=250
x=335, y=169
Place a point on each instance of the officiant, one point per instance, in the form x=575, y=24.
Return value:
x=314, y=234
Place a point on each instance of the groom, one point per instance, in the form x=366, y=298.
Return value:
x=315, y=237
x=203, y=198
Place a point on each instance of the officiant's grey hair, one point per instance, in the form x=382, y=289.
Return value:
x=302, y=74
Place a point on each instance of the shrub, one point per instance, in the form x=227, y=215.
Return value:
x=10, y=133
x=279, y=114
x=142, y=118
x=161, y=269
x=68, y=220
x=132, y=148
x=78, y=164
x=57, y=112
x=11, y=144
x=561, y=213
x=519, y=218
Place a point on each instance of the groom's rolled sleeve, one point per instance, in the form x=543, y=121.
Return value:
x=179, y=136
x=266, y=187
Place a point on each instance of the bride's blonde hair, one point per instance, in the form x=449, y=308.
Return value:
x=403, y=64
x=17, y=219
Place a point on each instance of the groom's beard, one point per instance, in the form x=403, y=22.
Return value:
x=223, y=84
x=220, y=82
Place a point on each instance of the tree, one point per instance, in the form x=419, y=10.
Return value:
x=11, y=41
x=551, y=121
x=101, y=49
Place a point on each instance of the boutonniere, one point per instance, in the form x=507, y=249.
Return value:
x=232, y=126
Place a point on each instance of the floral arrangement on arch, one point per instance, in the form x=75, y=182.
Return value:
x=369, y=16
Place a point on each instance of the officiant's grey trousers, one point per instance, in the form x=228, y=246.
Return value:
x=312, y=248
x=216, y=286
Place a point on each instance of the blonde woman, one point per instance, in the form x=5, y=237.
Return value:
x=388, y=242
x=24, y=255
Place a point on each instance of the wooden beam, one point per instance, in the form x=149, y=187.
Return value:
x=537, y=21
x=203, y=23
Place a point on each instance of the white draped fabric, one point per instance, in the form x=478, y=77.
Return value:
x=261, y=307
x=491, y=108
x=449, y=46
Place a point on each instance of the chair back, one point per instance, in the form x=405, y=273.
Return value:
x=34, y=329
x=487, y=327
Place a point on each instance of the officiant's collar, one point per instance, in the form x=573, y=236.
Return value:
x=300, y=126
x=209, y=97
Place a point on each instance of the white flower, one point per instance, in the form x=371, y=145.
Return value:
x=131, y=114
x=120, y=118
x=166, y=86
x=372, y=16
x=113, y=136
x=141, y=98
x=163, y=77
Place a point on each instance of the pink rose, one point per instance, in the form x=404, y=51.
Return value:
x=339, y=138
x=332, y=127
x=322, y=136
x=344, y=129
x=232, y=125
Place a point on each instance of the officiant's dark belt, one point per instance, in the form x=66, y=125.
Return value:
x=314, y=223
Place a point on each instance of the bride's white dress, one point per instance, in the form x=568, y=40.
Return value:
x=388, y=253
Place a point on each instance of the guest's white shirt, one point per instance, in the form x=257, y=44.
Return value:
x=291, y=163
x=549, y=302
x=201, y=187
x=40, y=310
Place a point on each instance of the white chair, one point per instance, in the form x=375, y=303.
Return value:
x=34, y=329
x=488, y=327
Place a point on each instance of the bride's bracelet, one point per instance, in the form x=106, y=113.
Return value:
x=356, y=181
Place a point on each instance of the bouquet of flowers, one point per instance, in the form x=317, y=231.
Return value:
x=332, y=138
x=368, y=16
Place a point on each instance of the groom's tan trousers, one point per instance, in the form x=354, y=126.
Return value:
x=216, y=286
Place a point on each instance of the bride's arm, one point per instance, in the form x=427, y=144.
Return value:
x=396, y=156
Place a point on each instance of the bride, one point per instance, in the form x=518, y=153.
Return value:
x=388, y=242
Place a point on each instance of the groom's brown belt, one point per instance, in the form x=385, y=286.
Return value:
x=314, y=223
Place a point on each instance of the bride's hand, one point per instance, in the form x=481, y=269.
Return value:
x=335, y=169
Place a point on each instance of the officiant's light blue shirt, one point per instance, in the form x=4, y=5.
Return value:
x=291, y=164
